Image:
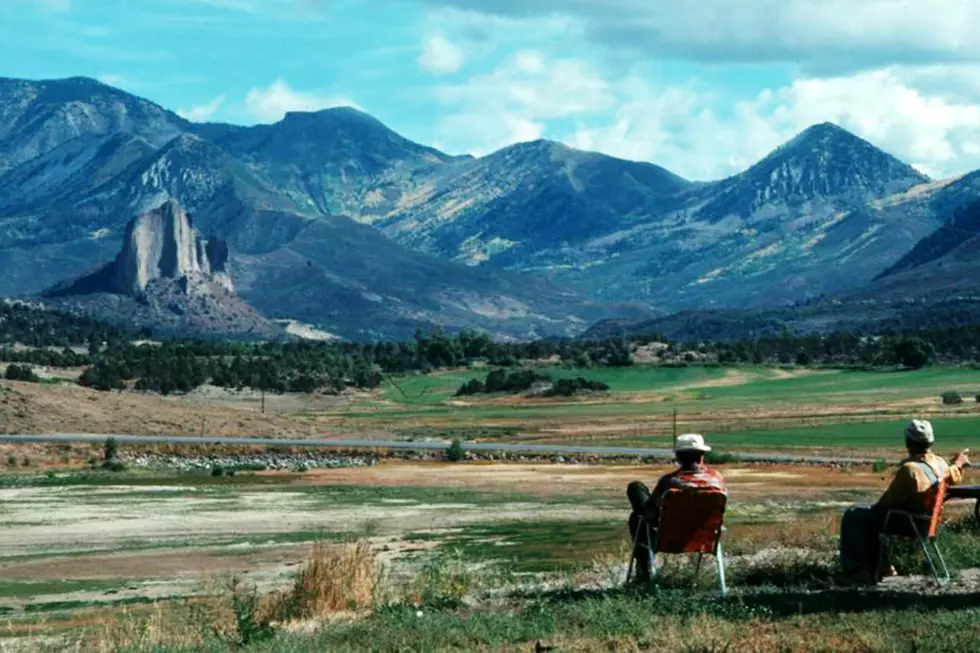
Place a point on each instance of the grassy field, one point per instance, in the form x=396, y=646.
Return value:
x=953, y=435
x=740, y=408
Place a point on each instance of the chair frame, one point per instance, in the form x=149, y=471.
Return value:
x=652, y=534
x=927, y=541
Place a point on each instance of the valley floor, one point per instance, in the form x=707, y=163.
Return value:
x=476, y=555
x=78, y=550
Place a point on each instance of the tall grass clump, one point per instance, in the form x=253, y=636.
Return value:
x=335, y=579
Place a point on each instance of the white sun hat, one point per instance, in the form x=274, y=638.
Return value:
x=920, y=430
x=690, y=442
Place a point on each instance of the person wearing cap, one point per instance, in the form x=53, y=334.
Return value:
x=909, y=490
x=692, y=474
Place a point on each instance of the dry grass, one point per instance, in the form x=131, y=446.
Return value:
x=144, y=629
x=335, y=579
x=41, y=408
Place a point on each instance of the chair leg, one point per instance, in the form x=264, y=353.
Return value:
x=697, y=568
x=942, y=563
x=720, y=555
x=932, y=566
x=651, y=561
x=636, y=540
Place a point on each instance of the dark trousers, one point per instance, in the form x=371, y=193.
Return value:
x=860, y=528
x=639, y=495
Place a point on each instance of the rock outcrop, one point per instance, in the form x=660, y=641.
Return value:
x=167, y=277
x=162, y=244
x=159, y=245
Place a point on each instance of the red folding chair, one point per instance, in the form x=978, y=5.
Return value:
x=928, y=521
x=691, y=521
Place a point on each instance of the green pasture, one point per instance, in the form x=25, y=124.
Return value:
x=952, y=435
x=747, y=384
x=425, y=400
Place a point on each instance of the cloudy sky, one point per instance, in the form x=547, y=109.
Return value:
x=702, y=87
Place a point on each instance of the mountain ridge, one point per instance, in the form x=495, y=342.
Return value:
x=560, y=236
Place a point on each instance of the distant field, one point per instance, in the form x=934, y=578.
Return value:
x=727, y=386
x=744, y=407
x=951, y=435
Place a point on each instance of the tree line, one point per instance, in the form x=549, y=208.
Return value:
x=115, y=358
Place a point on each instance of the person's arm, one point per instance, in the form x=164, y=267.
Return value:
x=902, y=490
x=722, y=483
x=955, y=473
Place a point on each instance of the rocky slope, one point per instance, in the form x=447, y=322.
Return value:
x=170, y=279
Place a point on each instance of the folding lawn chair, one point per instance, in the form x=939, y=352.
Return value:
x=691, y=521
x=913, y=525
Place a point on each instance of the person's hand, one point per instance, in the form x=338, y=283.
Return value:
x=961, y=459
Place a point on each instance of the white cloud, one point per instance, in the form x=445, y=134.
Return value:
x=202, y=112
x=271, y=104
x=514, y=102
x=112, y=80
x=695, y=131
x=820, y=34
x=440, y=56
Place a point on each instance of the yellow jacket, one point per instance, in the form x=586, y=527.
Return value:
x=911, y=483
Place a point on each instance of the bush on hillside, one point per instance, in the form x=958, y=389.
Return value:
x=952, y=398
x=569, y=387
x=21, y=373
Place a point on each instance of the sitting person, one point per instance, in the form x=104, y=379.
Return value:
x=693, y=474
x=910, y=490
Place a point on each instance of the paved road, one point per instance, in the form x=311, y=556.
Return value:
x=334, y=443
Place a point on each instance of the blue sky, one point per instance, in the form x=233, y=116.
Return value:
x=702, y=87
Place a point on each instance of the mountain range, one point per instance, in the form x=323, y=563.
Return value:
x=334, y=220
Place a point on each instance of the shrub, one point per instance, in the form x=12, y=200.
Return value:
x=21, y=373
x=454, y=452
x=114, y=466
x=336, y=578
x=569, y=387
x=110, y=451
x=25, y=462
x=879, y=466
x=217, y=470
x=803, y=359
x=471, y=387
x=720, y=458
x=11, y=461
x=914, y=352
x=952, y=398
x=250, y=626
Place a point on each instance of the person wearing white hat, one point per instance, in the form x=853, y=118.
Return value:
x=693, y=474
x=909, y=490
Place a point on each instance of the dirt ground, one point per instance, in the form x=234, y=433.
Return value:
x=41, y=408
x=609, y=480
x=167, y=540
